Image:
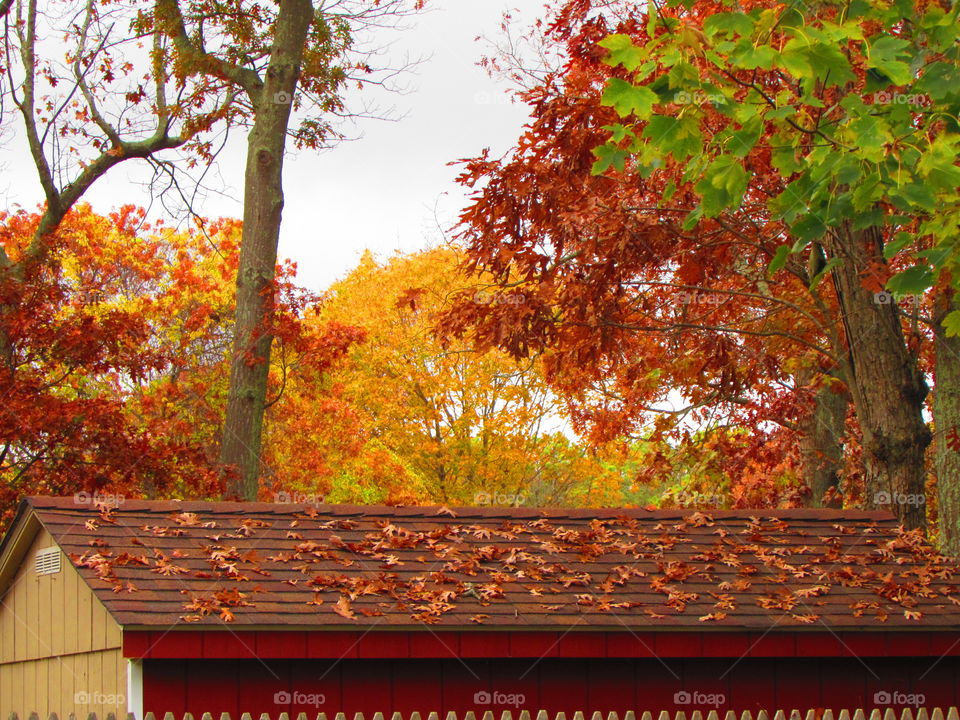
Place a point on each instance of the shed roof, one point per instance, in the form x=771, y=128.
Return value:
x=168, y=563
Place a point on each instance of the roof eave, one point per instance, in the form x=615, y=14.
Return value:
x=16, y=543
x=622, y=629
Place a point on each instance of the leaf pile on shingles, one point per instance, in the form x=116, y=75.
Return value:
x=437, y=566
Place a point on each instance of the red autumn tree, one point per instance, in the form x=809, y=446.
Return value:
x=120, y=356
x=637, y=305
x=640, y=325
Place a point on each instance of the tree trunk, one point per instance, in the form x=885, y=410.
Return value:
x=887, y=387
x=262, y=210
x=821, y=447
x=946, y=418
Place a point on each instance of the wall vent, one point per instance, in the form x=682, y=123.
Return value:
x=47, y=561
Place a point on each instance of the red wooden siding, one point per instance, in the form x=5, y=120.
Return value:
x=554, y=684
x=225, y=644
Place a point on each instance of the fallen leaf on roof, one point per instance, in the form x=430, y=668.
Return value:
x=186, y=518
x=342, y=608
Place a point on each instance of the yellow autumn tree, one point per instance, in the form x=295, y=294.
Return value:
x=433, y=422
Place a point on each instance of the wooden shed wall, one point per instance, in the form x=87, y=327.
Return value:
x=57, y=640
x=552, y=684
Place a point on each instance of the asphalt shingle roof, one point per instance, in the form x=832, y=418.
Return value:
x=162, y=563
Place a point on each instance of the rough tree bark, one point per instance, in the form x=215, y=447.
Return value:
x=888, y=388
x=946, y=417
x=821, y=447
x=262, y=210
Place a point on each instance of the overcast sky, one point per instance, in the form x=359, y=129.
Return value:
x=385, y=190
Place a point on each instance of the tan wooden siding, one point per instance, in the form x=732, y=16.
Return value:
x=80, y=684
x=57, y=640
x=49, y=615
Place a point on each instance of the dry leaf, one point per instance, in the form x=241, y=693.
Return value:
x=342, y=608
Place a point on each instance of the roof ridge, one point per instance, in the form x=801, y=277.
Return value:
x=86, y=504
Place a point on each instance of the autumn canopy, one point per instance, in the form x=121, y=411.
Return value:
x=716, y=270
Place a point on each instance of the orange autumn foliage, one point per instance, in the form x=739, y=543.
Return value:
x=115, y=376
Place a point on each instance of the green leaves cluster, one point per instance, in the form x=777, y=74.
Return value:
x=854, y=105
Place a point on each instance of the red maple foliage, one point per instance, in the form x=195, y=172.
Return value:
x=649, y=328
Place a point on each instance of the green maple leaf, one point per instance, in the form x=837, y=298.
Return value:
x=608, y=155
x=885, y=56
x=622, y=52
x=952, y=323
x=628, y=99
x=911, y=281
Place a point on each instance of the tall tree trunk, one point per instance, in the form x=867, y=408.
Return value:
x=262, y=210
x=821, y=447
x=887, y=386
x=946, y=417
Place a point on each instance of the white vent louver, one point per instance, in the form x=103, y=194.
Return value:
x=47, y=561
